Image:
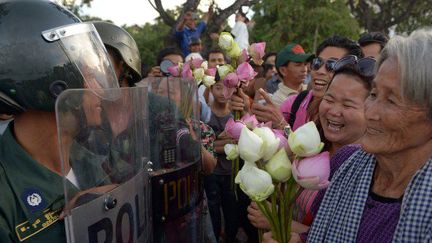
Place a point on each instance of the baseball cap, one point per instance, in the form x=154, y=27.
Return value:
x=292, y=52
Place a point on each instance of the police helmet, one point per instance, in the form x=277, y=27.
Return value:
x=45, y=49
x=119, y=39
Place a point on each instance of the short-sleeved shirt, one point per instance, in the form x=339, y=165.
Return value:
x=31, y=196
x=223, y=166
x=184, y=37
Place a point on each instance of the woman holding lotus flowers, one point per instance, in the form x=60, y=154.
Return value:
x=382, y=193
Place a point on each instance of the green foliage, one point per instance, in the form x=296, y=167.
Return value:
x=150, y=39
x=307, y=22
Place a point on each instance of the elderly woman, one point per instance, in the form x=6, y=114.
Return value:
x=382, y=193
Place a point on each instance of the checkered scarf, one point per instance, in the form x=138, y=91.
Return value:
x=341, y=211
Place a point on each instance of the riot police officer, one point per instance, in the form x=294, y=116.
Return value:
x=44, y=50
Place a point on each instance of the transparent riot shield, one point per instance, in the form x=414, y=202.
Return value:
x=105, y=151
x=175, y=137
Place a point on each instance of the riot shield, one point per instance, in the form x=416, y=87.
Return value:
x=175, y=137
x=105, y=152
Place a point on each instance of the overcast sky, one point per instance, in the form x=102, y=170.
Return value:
x=139, y=12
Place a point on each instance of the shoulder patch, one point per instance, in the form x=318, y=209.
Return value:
x=28, y=229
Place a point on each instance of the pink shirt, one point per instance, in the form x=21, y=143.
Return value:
x=301, y=114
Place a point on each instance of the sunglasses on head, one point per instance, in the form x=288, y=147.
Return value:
x=318, y=62
x=365, y=66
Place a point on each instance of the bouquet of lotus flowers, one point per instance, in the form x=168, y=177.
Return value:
x=196, y=68
x=268, y=173
x=238, y=73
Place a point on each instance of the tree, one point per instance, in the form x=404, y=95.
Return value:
x=214, y=24
x=381, y=15
x=307, y=22
x=149, y=39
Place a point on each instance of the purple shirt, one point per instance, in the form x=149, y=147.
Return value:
x=380, y=216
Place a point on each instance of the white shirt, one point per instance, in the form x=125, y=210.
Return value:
x=240, y=31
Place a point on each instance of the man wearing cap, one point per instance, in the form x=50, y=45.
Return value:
x=372, y=43
x=291, y=65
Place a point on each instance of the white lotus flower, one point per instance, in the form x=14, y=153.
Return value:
x=231, y=151
x=226, y=41
x=224, y=70
x=256, y=183
x=208, y=81
x=305, y=141
x=250, y=146
x=199, y=74
x=279, y=166
x=204, y=65
x=270, y=141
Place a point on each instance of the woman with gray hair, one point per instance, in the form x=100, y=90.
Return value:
x=383, y=192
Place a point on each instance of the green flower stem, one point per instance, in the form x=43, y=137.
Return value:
x=282, y=215
x=260, y=235
x=291, y=197
x=266, y=211
x=275, y=216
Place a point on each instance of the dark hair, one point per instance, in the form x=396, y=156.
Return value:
x=367, y=38
x=215, y=50
x=243, y=15
x=168, y=51
x=348, y=70
x=341, y=42
x=267, y=55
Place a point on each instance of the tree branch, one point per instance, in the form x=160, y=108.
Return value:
x=166, y=18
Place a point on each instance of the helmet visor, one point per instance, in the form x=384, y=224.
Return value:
x=84, y=48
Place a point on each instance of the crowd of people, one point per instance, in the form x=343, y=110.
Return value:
x=370, y=98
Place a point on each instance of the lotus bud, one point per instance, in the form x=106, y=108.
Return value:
x=198, y=74
x=270, y=141
x=256, y=183
x=208, y=81
x=250, y=146
x=250, y=121
x=226, y=41
x=279, y=166
x=305, y=141
x=312, y=172
x=234, y=128
x=231, y=151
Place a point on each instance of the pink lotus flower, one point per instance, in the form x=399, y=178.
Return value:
x=244, y=57
x=233, y=128
x=211, y=72
x=174, y=70
x=250, y=121
x=186, y=71
x=257, y=52
x=231, y=80
x=283, y=141
x=245, y=72
x=312, y=172
x=196, y=63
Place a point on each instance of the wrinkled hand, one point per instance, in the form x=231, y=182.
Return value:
x=240, y=102
x=267, y=238
x=256, y=217
x=268, y=112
